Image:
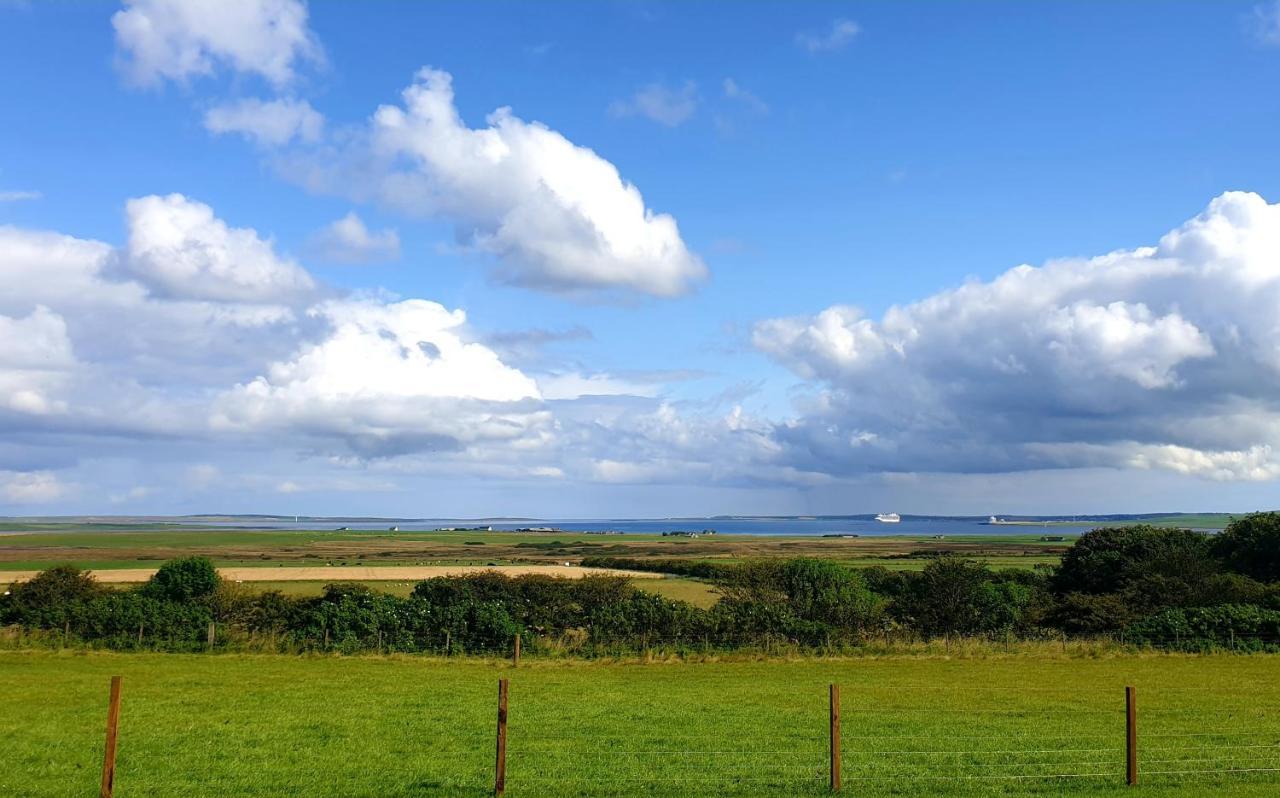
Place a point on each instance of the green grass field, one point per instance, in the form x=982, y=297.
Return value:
x=149, y=545
x=698, y=593
x=271, y=725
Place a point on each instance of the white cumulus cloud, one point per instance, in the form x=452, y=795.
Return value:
x=179, y=248
x=35, y=358
x=181, y=39
x=272, y=122
x=388, y=379
x=349, y=240
x=1157, y=357
x=555, y=215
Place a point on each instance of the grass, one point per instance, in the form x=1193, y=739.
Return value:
x=270, y=725
x=1196, y=520
x=694, y=591
x=148, y=546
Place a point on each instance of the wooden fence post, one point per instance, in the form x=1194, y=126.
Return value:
x=1131, y=736
x=515, y=653
x=835, y=738
x=500, y=763
x=448, y=643
x=109, y=754
x=139, y=634
x=213, y=634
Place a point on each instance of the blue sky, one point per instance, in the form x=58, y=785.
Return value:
x=892, y=157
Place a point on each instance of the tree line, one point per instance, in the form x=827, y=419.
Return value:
x=1141, y=584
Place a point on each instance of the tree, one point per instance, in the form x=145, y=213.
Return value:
x=57, y=585
x=1251, y=546
x=49, y=598
x=1112, y=559
x=824, y=591
x=947, y=597
x=187, y=579
x=807, y=588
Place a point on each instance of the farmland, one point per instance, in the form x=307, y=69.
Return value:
x=966, y=724
x=22, y=548
x=108, y=547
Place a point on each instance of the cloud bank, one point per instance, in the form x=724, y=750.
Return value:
x=197, y=336
x=1161, y=357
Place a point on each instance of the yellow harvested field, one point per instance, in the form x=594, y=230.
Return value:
x=356, y=573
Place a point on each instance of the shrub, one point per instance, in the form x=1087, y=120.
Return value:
x=187, y=579
x=945, y=598
x=115, y=617
x=1090, y=613
x=714, y=571
x=50, y=598
x=803, y=598
x=1251, y=546
x=1111, y=559
x=823, y=591
x=271, y=611
x=1235, y=625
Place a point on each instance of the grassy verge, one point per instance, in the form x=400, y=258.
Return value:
x=270, y=725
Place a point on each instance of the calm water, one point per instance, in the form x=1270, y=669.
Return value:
x=858, y=525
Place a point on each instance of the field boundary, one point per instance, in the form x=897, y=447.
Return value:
x=891, y=760
x=354, y=573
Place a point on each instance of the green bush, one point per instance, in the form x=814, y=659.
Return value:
x=1237, y=626
x=1251, y=546
x=1128, y=578
x=1090, y=613
x=50, y=599
x=116, y=617
x=187, y=579
x=1109, y=560
x=714, y=571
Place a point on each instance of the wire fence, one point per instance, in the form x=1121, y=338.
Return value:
x=949, y=750
x=227, y=637
x=903, y=739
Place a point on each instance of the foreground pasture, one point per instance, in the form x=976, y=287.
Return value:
x=272, y=725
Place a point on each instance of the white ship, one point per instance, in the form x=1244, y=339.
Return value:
x=889, y=518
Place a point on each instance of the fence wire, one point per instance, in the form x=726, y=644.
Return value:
x=900, y=737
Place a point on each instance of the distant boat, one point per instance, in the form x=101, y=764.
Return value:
x=889, y=518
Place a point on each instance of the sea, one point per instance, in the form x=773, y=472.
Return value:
x=801, y=526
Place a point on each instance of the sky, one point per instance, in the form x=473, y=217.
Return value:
x=632, y=259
